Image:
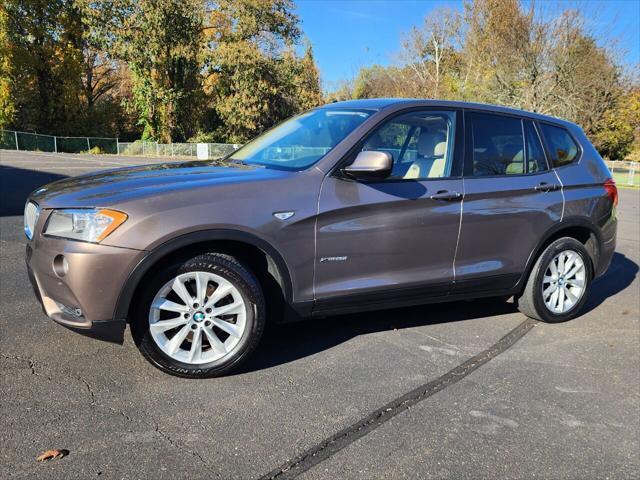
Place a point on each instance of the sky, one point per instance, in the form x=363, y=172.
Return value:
x=349, y=34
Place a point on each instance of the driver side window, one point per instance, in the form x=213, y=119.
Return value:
x=421, y=144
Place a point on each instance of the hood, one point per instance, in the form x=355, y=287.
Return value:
x=121, y=185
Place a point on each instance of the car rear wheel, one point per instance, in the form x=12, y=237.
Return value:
x=559, y=282
x=201, y=318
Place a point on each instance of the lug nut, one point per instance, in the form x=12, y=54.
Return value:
x=186, y=315
x=195, y=305
x=208, y=310
x=207, y=323
x=194, y=326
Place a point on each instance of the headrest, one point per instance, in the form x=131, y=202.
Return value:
x=440, y=149
x=427, y=142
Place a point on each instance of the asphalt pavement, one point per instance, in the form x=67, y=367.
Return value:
x=456, y=390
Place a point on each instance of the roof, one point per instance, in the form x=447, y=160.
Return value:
x=382, y=103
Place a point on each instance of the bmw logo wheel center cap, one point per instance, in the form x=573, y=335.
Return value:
x=198, y=316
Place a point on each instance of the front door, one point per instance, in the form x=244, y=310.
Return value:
x=393, y=240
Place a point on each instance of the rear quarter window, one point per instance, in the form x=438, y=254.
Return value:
x=561, y=146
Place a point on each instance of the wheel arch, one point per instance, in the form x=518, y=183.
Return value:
x=575, y=227
x=264, y=259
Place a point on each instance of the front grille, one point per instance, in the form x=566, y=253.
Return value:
x=31, y=213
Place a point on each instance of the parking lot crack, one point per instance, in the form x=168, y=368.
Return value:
x=28, y=360
x=89, y=390
x=177, y=445
x=37, y=367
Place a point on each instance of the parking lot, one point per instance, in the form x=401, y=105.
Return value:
x=456, y=390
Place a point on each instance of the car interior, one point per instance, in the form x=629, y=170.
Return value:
x=419, y=146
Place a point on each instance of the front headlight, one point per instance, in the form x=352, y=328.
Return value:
x=89, y=225
x=31, y=213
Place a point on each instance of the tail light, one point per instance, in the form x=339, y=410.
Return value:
x=612, y=191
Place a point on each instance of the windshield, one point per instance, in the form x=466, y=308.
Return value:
x=302, y=140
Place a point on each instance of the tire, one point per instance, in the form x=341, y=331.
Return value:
x=531, y=301
x=204, y=349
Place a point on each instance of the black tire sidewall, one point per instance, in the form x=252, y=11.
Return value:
x=551, y=251
x=251, y=294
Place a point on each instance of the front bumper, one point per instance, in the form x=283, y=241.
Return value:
x=84, y=298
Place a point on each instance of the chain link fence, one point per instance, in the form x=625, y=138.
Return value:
x=155, y=149
x=37, y=142
x=625, y=173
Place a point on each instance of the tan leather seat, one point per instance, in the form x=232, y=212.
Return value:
x=516, y=167
x=432, y=156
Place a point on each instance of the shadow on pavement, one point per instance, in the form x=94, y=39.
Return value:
x=16, y=184
x=619, y=276
x=286, y=343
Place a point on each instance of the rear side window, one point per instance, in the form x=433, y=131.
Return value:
x=498, y=145
x=536, y=162
x=562, y=148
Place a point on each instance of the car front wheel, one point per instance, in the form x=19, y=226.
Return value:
x=559, y=282
x=201, y=318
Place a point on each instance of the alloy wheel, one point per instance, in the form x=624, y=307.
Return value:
x=564, y=282
x=197, y=317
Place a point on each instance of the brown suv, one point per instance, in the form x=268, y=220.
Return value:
x=353, y=206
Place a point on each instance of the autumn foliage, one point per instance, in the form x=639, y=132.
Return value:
x=226, y=70
x=503, y=52
x=158, y=69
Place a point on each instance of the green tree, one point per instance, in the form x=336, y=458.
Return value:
x=254, y=77
x=306, y=81
x=7, y=104
x=162, y=42
x=617, y=136
x=42, y=63
x=104, y=78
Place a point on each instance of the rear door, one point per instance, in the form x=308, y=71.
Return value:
x=393, y=240
x=512, y=198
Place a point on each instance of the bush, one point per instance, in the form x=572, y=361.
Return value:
x=96, y=151
x=204, y=137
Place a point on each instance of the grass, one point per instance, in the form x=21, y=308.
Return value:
x=622, y=178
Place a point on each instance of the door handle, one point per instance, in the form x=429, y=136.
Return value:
x=445, y=195
x=546, y=187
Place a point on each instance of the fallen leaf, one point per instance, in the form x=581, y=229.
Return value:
x=49, y=454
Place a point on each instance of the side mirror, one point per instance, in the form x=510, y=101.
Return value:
x=370, y=165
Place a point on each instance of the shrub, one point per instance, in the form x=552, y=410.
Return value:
x=96, y=151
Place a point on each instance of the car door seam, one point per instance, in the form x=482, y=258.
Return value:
x=315, y=239
x=561, y=192
x=455, y=253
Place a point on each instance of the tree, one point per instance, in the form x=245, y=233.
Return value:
x=429, y=54
x=70, y=67
x=7, y=104
x=42, y=63
x=162, y=43
x=306, y=81
x=254, y=77
x=101, y=72
x=618, y=133
x=498, y=51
